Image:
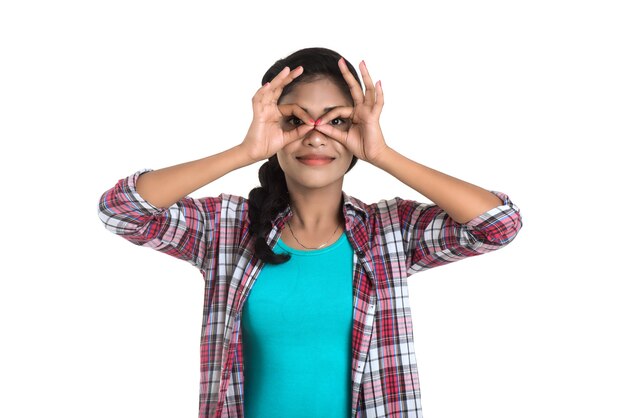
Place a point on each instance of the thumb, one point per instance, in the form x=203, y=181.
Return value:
x=295, y=134
x=333, y=133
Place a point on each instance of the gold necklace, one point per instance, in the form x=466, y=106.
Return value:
x=313, y=248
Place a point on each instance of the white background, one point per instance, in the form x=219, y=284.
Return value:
x=527, y=98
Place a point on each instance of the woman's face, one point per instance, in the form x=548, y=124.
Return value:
x=315, y=161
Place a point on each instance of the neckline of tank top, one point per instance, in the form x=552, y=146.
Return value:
x=296, y=251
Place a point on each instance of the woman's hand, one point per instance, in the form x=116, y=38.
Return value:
x=363, y=137
x=266, y=134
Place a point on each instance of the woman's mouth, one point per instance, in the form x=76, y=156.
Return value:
x=315, y=160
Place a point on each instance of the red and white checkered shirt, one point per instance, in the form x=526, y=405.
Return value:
x=392, y=239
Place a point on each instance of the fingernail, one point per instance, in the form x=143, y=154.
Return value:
x=311, y=121
x=317, y=122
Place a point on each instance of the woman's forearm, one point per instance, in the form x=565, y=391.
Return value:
x=164, y=187
x=461, y=200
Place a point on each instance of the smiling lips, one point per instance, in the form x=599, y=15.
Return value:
x=313, y=159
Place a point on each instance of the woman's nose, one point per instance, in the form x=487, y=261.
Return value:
x=315, y=138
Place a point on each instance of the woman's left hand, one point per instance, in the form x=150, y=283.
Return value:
x=362, y=135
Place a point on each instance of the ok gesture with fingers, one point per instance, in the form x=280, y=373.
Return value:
x=363, y=137
x=266, y=134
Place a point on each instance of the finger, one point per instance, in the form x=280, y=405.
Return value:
x=261, y=93
x=355, y=88
x=337, y=112
x=267, y=91
x=380, y=98
x=287, y=77
x=291, y=109
x=295, y=134
x=370, y=90
x=333, y=133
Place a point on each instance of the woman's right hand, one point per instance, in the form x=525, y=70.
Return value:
x=269, y=132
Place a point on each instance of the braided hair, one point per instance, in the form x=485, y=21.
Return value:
x=268, y=200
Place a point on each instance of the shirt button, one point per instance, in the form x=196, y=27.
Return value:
x=360, y=253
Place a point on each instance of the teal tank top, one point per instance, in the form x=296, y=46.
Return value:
x=297, y=335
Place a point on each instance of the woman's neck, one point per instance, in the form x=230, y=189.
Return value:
x=316, y=210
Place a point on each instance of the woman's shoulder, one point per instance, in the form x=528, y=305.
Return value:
x=230, y=202
x=224, y=203
x=381, y=206
x=376, y=214
x=232, y=198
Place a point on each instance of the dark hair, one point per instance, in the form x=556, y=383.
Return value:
x=265, y=202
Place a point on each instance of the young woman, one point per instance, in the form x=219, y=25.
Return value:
x=306, y=310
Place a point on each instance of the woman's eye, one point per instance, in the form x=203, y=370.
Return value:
x=294, y=121
x=341, y=124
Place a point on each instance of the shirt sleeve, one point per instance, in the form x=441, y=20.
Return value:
x=432, y=238
x=186, y=230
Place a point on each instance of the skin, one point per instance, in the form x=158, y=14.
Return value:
x=316, y=191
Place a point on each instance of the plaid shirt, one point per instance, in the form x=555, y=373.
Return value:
x=392, y=239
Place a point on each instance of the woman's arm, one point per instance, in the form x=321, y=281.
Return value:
x=464, y=221
x=152, y=208
x=461, y=200
x=164, y=187
x=264, y=138
x=364, y=138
